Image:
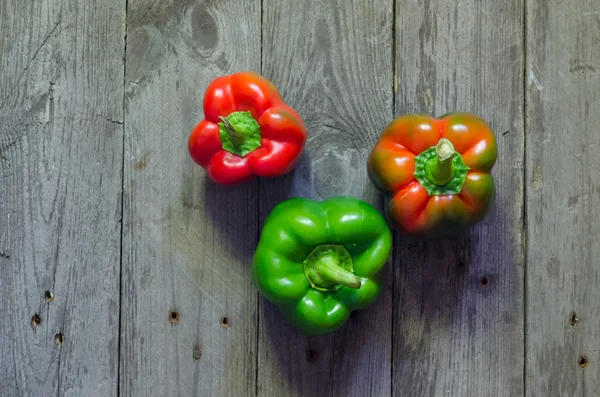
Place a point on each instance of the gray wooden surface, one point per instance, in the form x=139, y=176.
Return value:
x=314, y=38
x=147, y=261
x=61, y=143
x=186, y=242
x=454, y=336
x=563, y=198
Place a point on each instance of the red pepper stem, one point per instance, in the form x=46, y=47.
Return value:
x=229, y=128
x=331, y=272
x=439, y=168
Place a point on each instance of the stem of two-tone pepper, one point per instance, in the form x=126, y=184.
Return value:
x=439, y=168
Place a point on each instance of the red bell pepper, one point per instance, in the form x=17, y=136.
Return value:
x=435, y=173
x=247, y=131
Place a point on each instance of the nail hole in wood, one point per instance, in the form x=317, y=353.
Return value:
x=59, y=338
x=49, y=296
x=197, y=354
x=583, y=361
x=461, y=264
x=484, y=281
x=35, y=320
x=174, y=317
x=311, y=355
x=224, y=322
x=573, y=319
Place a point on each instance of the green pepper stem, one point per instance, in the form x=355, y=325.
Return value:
x=439, y=169
x=335, y=274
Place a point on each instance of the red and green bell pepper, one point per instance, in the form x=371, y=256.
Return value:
x=435, y=172
x=247, y=131
x=319, y=261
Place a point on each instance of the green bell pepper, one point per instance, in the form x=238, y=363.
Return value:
x=319, y=261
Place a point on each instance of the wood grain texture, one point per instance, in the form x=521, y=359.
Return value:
x=187, y=242
x=332, y=61
x=453, y=336
x=61, y=142
x=563, y=197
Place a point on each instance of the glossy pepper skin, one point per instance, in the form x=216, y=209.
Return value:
x=319, y=261
x=435, y=172
x=247, y=131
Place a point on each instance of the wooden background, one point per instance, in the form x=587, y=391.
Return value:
x=107, y=227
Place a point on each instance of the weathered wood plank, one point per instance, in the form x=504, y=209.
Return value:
x=453, y=336
x=187, y=242
x=563, y=197
x=331, y=60
x=61, y=144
